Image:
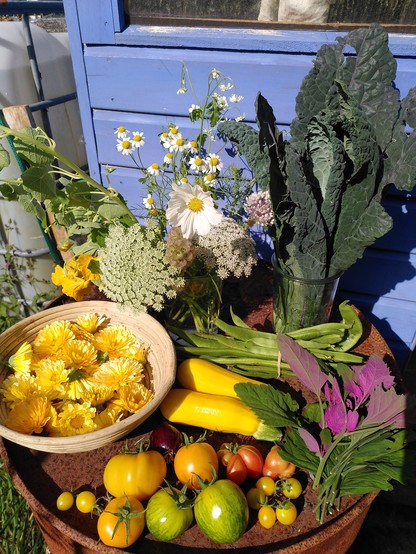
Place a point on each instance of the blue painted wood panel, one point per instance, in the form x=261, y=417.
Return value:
x=130, y=75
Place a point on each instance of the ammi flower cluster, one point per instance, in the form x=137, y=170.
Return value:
x=76, y=377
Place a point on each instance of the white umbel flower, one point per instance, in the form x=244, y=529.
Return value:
x=192, y=209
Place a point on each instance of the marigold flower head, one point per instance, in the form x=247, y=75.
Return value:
x=78, y=385
x=75, y=277
x=90, y=322
x=51, y=375
x=20, y=361
x=80, y=354
x=115, y=340
x=111, y=414
x=74, y=419
x=19, y=386
x=134, y=396
x=51, y=339
x=29, y=416
x=119, y=371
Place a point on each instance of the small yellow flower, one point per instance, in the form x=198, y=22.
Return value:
x=17, y=387
x=29, y=416
x=138, y=353
x=134, y=396
x=111, y=414
x=91, y=322
x=51, y=376
x=52, y=338
x=80, y=354
x=75, y=278
x=115, y=340
x=78, y=385
x=119, y=371
x=97, y=394
x=74, y=419
x=20, y=361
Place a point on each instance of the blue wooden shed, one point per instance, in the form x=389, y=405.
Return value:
x=127, y=72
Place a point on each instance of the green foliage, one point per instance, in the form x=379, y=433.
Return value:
x=348, y=142
x=18, y=529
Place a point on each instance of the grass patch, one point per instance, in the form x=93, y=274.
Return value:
x=19, y=532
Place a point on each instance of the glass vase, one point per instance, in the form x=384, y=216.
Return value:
x=299, y=303
x=197, y=305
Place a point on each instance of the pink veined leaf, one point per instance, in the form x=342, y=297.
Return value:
x=310, y=441
x=336, y=412
x=303, y=364
x=386, y=407
x=375, y=372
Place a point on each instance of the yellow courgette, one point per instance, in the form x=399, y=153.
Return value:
x=215, y=412
x=203, y=376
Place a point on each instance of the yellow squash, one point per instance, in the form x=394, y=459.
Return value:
x=215, y=412
x=203, y=376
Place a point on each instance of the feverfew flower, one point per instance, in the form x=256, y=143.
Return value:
x=197, y=164
x=192, y=146
x=134, y=268
x=259, y=208
x=168, y=159
x=149, y=202
x=138, y=139
x=154, y=169
x=214, y=163
x=192, y=209
x=121, y=132
x=125, y=146
x=228, y=248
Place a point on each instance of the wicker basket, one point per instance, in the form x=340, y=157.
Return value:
x=159, y=374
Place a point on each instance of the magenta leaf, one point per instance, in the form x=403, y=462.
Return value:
x=310, y=441
x=386, y=407
x=303, y=364
x=367, y=377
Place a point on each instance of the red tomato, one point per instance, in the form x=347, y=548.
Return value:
x=253, y=460
x=275, y=466
x=236, y=470
x=195, y=458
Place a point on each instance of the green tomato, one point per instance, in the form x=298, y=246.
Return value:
x=221, y=511
x=167, y=517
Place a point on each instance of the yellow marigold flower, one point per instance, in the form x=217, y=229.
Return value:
x=18, y=386
x=52, y=338
x=138, y=353
x=115, y=340
x=51, y=376
x=92, y=322
x=75, y=277
x=20, y=361
x=111, y=414
x=119, y=371
x=78, y=385
x=97, y=394
x=74, y=419
x=134, y=396
x=29, y=416
x=80, y=354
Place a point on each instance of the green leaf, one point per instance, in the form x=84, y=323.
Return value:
x=294, y=450
x=39, y=182
x=4, y=158
x=246, y=140
x=33, y=153
x=272, y=406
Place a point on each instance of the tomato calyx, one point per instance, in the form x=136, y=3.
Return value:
x=124, y=514
x=191, y=440
x=204, y=483
x=179, y=496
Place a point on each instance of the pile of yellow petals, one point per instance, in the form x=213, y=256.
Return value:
x=76, y=377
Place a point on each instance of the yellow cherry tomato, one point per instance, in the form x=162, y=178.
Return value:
x=286, y=513
x=267, y=485
x=65, y=501
x=85, y=501
x=267, y=517
x=291, y=488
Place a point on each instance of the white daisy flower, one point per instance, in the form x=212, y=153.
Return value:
x=221, y=101
x=235, y=98
x=167, y=160
x=192, y=146
x=192, y=209
x=154, y=169
x=209, y=179
x=177, y=143
x=125, y=146
x=148, y=202
x=121, y=132
x=165, y=140
x=214, y=163
x=138, y=139
x=197, y=164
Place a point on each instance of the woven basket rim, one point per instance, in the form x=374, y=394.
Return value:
x=100, y=437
